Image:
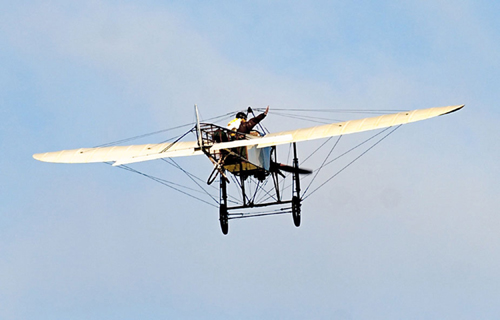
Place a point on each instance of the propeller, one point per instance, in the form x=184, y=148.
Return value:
x=277, y=167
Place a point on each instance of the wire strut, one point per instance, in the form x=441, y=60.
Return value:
x=165, y=183
x=350, y=163
x=321, y=167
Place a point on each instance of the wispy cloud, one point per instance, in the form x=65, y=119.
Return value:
x=411, y=229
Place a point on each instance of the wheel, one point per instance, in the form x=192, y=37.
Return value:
x=223, y=219
x=296, y=210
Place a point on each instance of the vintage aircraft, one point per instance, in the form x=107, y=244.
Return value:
x=244, y=156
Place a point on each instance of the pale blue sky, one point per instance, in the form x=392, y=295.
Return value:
x=411, y=231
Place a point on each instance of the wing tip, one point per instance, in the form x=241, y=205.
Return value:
x=38, y=156
x=454, y=109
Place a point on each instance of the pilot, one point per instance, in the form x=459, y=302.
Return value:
x=240, y=123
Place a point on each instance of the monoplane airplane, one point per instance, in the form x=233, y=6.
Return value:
x=244, y=156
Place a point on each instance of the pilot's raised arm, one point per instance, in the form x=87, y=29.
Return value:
x=247, y=126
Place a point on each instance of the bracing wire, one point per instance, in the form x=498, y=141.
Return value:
x=317, y=149
x=166, y=183
x=322, y=165
x=141, y=136
x=343, y=154
x=190, y=176
x=372, y=111
x=350, y=163
x=295, y=113
x=287, y=161
x=264, y=192
x=160, y=131
x=259, y=186
x=255, y=191
x=237, y=183
x=177, y=166
x=306, y=118
x=359, y=145
x=176, y=140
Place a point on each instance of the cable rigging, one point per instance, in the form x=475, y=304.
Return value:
x=166, y=183
x=259, y=188
x=350, y=163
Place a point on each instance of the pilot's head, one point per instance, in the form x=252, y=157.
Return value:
x=241, y=115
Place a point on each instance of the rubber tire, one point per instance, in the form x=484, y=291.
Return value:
x=223, y=219
x=296, y=210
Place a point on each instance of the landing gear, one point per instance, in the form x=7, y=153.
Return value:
x=248, y=175
x=223, y=216
x=296, y=210
x=296, y=189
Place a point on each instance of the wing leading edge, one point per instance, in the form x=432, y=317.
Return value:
x=112, y=154
x=353, y=126
x=137, y=153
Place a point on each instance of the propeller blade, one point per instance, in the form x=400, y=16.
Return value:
x=286, y=168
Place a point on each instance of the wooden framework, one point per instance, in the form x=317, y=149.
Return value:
x=236, y=162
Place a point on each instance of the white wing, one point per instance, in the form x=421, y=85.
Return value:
x=137, y=153
x=111, y=154
x=352, y=126
x=215, y=147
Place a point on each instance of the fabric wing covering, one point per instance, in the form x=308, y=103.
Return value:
x=137, y=153
x=353, y=126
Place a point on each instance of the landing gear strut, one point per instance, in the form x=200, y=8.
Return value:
x=296, y=210
x=296, y=189
x=237, y=169
x=223, y=216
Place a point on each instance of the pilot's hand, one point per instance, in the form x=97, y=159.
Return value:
x=267, y=110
